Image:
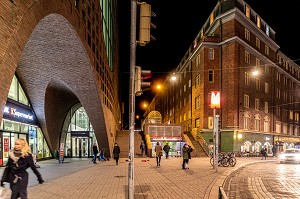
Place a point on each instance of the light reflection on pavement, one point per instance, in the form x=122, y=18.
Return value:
x=265, y=180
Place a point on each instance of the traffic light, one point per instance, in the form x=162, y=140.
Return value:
x=140, y=76
x=145, y=24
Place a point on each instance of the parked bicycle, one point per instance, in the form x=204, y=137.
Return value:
x=225, y=159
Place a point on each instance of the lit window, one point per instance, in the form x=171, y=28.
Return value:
x=256, y=104
x=247, y=34
x=197, y=102
x=247, y=79
x=197, y=82
x=197, y=123
x=247, y=57
x=211, y=53
x=246, y=101
x=266, y=109
x=258, y=21
x=267, y=50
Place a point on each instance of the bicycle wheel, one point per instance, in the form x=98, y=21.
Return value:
x=225, y=162
x=232, y=161
x=212, y=161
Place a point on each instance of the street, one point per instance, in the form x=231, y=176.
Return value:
x=264, y=180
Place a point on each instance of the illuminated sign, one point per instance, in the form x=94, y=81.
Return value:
x=18, y=113
x=14, y=112
x=215, y=99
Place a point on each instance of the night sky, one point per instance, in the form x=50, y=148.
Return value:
x=177, y=25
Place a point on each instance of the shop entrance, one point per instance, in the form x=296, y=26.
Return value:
x=80, y=147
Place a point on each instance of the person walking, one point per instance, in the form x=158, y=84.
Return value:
x=158, y=151
x=185, y=156
x=143, y=148
x=20, y=158
x=95, y=152
x=263, y=152
x=167, y=149
x=116, y=152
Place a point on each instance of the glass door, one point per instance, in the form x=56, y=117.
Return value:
x=75, y=147
x=80, y=147
x=84, y=147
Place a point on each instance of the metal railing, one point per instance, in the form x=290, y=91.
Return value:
x=203, y=143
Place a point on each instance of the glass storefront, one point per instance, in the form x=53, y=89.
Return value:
x=37, y=144
x=19, y=121
x=79, y=137
x=175, y=147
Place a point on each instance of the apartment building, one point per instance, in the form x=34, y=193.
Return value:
x=236, y=54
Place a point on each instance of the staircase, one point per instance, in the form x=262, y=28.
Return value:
x=199, y=149
x=122, y=138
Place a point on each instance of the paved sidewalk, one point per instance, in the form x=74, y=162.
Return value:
x=82, y=179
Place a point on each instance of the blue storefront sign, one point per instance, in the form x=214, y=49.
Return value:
x=19, y=113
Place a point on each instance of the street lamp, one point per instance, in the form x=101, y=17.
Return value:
x=173, y=80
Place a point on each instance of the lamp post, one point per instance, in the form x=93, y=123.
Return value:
x=214, y=104
x=173, y=80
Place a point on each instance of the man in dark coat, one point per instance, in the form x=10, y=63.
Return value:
x=167, y=149
x=95, y=152
x=116, y=152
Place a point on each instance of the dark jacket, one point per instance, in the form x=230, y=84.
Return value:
x=15, y=173
x=189, y=152
x=95, y=149
x=116, y=152
x=166, y=148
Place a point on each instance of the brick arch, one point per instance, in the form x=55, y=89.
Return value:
x=45, y=42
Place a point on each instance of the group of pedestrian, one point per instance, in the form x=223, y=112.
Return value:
x=101, y=155
x=186, y=154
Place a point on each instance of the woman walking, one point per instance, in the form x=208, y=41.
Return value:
x=15, y=173
x=116, y=152
x=158, y=151
x=185, y=156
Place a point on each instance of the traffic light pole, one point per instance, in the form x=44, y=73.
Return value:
x=216, y=140
x=133, y=42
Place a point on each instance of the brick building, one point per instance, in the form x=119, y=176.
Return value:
x=256, y=109
x=61, y=58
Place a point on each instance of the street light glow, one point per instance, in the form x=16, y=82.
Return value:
x=255, y=73
x=173, y=78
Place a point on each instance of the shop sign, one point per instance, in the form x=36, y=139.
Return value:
x=6, y=144
x=215, y=99
x=18, y=113
x=80, y=133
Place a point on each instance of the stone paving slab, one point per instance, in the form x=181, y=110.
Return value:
x=82, y=179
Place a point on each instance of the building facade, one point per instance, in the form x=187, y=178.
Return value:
x=59, y=82
x=235, y=53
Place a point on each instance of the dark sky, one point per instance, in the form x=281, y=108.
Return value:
x=178, y=23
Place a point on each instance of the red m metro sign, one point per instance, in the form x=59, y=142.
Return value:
x=215, y=99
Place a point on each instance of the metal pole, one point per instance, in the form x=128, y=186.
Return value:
x=132, y=99
x=216, y=121
x=217, y=142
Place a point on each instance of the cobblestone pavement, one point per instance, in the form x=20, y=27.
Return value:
x=266, y=180
x=82, y=179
